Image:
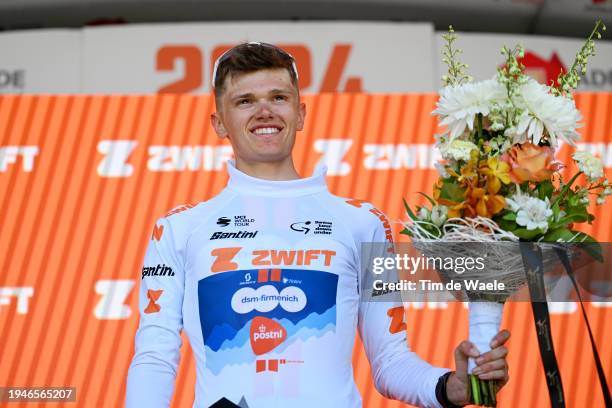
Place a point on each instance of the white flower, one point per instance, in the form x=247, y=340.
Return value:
x=517, y=201
x=543, y=111
x=458, y=150
x=439, y=214
x=441, y=141
x=590, y=165
x=534, y=213
x=441, y=170
x=511, y=133
x=424, y=213
x=459, y=105
x=500, y=144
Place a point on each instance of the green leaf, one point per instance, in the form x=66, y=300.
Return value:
x=545, y=189
x=527, y=235
x=509, y=216
x=578, y=213
x=507, y=225
x=566, y=188
x=409, y=211
x=556, y=210
x=557, y=234
x=570, y=219
x=406, y=231
x=589, y=245
x=431, y=200
x=573, y=200
x=452, y=191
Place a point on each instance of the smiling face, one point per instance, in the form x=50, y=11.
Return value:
x=260, y=113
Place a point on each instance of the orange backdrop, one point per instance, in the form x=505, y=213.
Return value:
x=82, y=179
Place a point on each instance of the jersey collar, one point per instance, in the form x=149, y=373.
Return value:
x=243, y=183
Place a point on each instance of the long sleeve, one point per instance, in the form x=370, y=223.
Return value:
x=152, y=373
x=398, y=372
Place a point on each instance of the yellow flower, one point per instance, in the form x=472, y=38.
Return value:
x=456, y=210
x=483, y=204
x=497, y=172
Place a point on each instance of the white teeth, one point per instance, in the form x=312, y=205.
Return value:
x=265, y=131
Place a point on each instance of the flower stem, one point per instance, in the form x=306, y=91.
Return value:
x=484, y=392
x=491, y=385
x=565, y=189
x=475, y=389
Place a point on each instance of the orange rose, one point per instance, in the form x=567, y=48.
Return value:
x=529, y=162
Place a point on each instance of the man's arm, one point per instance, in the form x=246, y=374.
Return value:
x=398, y=372
x=152, y=373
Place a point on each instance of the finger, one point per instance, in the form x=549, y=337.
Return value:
x=493, y=375
x=500, y=338
x=505, y=380
x=464, y=350
x=496, y=354
x=492, y=366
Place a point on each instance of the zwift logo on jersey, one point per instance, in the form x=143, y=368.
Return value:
x=237, y=235
x=159, y=270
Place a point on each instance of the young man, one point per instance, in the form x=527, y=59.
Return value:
x=266, y=277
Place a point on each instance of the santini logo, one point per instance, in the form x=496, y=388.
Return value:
x=237, y=235
x=223, y=221
x=159, y=270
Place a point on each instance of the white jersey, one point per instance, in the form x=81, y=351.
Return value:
x=265, y=279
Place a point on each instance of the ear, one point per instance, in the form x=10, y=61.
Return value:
x=217, y=123
x=301, y=116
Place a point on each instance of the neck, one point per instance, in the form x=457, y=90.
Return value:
x=274, y=171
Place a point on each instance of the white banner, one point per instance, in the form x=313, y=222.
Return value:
x=544, y=57
x=331, y=57
x=40, y=61
x=337, y=56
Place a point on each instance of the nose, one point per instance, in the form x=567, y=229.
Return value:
x=264, y=110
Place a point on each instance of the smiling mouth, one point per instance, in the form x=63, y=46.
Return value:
x=266, y=131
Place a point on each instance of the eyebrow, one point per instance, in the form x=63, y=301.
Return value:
x=271, y=92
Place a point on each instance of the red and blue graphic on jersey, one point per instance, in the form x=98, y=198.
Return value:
x=245, y=314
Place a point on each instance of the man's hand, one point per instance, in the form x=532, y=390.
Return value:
x=492, y=365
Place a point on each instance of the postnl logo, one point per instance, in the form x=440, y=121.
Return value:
x=266, y=335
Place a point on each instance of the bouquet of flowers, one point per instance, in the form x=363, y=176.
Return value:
x=500, y=179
